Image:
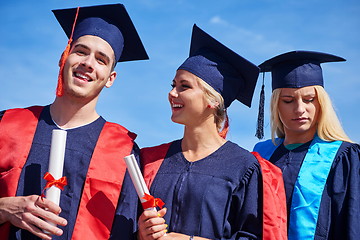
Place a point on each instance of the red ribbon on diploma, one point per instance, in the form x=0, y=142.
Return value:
x=51, y=181
x=152, y=202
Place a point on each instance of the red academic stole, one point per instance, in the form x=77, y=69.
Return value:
x=15, y=144
x=103, y=180
x=274, y=201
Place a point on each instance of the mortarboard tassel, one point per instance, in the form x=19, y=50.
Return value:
x=260, y=121
x=225, y=129
x=65, y=54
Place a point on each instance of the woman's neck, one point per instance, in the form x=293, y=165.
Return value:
x=199, y=142
x=294, y=138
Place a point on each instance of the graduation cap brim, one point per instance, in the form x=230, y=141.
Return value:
x=117, y=15
x=293, y=56
x=247, y=70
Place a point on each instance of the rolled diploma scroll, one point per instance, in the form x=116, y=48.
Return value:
x=137, y=178
x=56, y=163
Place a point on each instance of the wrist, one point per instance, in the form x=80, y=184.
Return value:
x=2, y=211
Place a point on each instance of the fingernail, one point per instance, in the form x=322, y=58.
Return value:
x=59, y=232
x=165, y=230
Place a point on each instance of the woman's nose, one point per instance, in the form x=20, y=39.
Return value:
x=300, y=107
x=173, y=92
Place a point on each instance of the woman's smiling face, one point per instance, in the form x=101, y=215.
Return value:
x=187, y=99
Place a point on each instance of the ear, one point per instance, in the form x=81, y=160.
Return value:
x=111, y=79
x=213, y=105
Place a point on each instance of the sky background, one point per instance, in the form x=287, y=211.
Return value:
x=31, y=41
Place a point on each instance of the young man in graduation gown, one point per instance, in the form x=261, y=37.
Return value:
x=97, y=201
x=320, y=164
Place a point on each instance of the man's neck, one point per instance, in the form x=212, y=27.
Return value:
x=70, y=114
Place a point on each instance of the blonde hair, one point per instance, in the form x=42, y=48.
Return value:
x=221, y=119
x=328, y=127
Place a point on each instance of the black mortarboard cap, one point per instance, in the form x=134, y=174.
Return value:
x=110, y=22
x=231, y=75
x=297, y=69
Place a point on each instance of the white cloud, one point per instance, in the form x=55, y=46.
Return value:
x=252, y=41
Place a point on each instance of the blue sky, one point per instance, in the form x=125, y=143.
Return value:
x=31, y=42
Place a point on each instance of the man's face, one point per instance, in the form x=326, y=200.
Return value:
x=88, y=68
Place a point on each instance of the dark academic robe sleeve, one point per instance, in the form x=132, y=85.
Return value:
x=1, y=114
x=125, y=221
x=339, y=216
x=245, y=212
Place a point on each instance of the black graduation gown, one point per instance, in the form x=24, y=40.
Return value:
x=218, y=197
x=80, y=145
x=339, y=213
